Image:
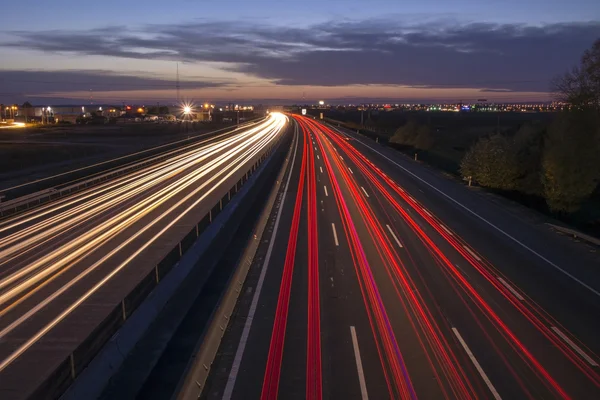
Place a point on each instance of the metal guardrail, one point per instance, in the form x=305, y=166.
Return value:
x=576, y=234
x=68, y=370
x=34, y=199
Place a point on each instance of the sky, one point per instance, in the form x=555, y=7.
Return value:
x=67, y=51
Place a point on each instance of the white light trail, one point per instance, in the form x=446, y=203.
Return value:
x=40, y=245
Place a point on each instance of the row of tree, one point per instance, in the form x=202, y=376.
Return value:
x=560, y=161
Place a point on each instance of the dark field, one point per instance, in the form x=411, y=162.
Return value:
x=31, y=153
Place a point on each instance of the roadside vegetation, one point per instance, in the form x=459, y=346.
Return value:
x=560, y=161
x=548, y=161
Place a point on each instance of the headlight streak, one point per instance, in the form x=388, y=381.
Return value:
x=136, y=178
x=218, y=171
x=146, y=206
x=94, y=237
x=69, y=201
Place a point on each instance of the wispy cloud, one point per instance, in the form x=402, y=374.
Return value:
x=493, y=57
x=38, y=82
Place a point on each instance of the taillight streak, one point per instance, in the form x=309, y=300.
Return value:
x=399, y=383
x=446, y=360
x=313, y=346
x=273, y=369
x=369, y=171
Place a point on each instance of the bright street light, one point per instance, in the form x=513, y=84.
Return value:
x=187, y=109
x=321, y=103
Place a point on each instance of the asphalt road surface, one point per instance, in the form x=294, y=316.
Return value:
x=66, y=264
x=383, y=279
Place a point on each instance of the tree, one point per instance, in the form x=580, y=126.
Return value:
x=528, y=143
x=571, y=171
x=406, y=134
x=425, y=139
x=580, y=87
x=492, y=162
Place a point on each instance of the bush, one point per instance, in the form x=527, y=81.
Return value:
x=492, y=162
x=413, y=134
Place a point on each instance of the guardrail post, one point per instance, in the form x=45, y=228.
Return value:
x=221, y=204
x=156, y=273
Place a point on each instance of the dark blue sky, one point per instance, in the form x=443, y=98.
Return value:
x=264, y=49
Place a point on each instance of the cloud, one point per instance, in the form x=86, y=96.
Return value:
x=35, y=82
x=491, y=57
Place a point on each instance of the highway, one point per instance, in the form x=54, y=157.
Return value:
x=383, y=279
x=66, y=264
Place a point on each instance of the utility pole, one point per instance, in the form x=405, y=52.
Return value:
x=177, y=83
